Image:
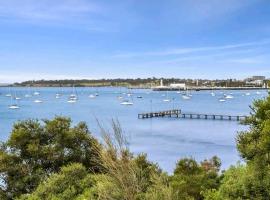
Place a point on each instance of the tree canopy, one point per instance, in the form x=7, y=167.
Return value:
x=36, y=149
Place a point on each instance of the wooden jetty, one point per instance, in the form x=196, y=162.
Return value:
x=167, y=113
x=178, y=114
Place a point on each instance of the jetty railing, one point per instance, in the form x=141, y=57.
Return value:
x=176, y=113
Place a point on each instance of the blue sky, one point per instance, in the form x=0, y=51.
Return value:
x=57, y=39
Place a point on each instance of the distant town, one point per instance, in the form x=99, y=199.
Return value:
x=154, y=83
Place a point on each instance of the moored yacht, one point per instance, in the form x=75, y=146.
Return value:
x=127, y=103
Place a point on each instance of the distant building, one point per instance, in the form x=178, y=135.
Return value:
x=178, y=86
x=255, y=81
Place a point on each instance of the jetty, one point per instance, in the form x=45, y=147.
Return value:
x=176, y=113
x=168, y=88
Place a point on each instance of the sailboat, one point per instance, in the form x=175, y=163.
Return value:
x=57, y=96
x=8, y=94
x=128, y=101
x=38, y=101
x=28, y=95
x=73, y=97
x=97, y=93
x=167, y=99
x=221, y=100
x=186, y=96
x=228, y=96
x=13, y=106
x=16, y=97
x=36, y=93
x=92, y=96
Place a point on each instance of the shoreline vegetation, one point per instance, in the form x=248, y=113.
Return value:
x=146, y=83
x=54, y=160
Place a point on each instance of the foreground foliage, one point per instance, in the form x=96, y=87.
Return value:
x=37, y=149
x=52, y=160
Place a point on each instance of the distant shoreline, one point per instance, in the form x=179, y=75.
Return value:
x=165, y=88
x=158, y=84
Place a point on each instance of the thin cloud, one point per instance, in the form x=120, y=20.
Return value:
x=181, y=51
x=46, y=9
x=211, y=9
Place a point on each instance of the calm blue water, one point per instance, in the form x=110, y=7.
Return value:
x=164, y=140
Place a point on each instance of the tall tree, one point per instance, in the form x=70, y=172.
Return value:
x=37, y=149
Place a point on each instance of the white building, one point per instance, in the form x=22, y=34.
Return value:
x=178, y=86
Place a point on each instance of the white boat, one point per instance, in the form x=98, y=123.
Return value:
x=185, y=97
x=92, y=96
x=73, y=97
x=36, y=93
x=120, y=97
x=213, y=94
x=222, y=100
x=228, y=96
x=72, y=101
x=14, y=106
x=18, y=98
x=247, y=94
x=58, y=95
x=167, y=98
x=27, y=96
x=258, y=92
x=126, y=103
x=8, y=95
x=38, y=101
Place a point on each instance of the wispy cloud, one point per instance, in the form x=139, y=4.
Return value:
x=181, y=51
x=209, y=10
x=46, y=9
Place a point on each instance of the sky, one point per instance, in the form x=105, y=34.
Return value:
x=93, y=39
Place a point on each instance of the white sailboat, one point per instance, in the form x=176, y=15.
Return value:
x=92, y=96
x=57, y=96
x=8, y=94
x=167, y=98
x=36, y=93
x=126, y=103
x=73, y=97
x=13, y=106
x=28, y=95
x=186, y=95
x=38, y=101
x=228, y=96
x=222, y=100
x=16, y=97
